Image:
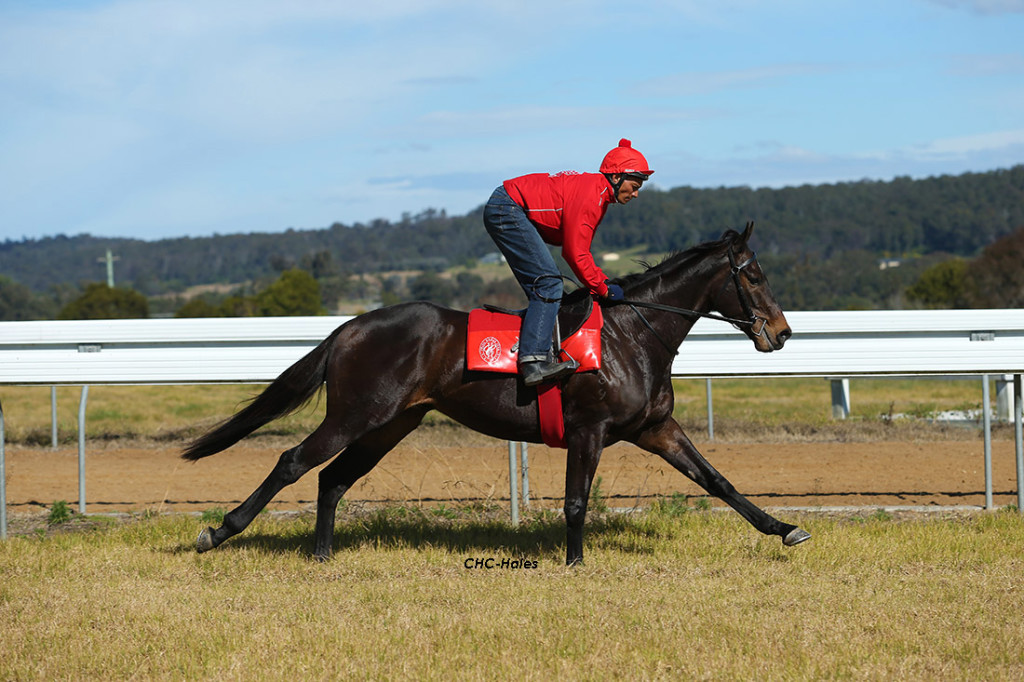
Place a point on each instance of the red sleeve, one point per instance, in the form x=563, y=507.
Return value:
x=579, y=223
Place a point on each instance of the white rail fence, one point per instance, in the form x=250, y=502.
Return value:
x=255, y=350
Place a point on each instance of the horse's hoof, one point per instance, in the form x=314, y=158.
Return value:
x=204, y=543
x=795, y=537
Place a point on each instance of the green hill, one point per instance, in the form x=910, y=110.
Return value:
x=821, y=245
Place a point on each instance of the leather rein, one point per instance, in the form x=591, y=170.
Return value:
x=751, y=322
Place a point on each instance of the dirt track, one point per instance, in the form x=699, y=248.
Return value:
x=153, y=477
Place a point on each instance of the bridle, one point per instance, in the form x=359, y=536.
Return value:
x=750, y=323
x=741, y=294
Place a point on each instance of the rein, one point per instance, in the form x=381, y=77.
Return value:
x=751, y=321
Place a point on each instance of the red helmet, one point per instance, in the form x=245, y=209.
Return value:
x=626, y=160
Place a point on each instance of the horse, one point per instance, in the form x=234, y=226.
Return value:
x=384, y=370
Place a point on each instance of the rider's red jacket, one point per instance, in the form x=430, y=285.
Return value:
x=566, y=209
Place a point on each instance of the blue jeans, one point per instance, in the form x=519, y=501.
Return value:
x=534, y=268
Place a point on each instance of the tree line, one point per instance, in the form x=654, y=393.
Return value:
x=847, y=245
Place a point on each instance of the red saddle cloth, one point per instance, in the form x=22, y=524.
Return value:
x=492, y=345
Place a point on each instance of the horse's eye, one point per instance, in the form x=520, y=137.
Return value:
x=753, y=279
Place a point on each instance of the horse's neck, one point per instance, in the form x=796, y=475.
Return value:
x=689, y=286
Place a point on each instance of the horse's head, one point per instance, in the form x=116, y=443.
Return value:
x=745, y=295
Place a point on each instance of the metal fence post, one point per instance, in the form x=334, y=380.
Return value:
x=711, y=412
x=81, y=449
x=53, y=417
x=1004, y=398
x=526, y=473
x=1019, y=440
x=513, y=480
x=840, y=398
x=986, y=418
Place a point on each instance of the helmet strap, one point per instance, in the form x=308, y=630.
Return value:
x=615, y=185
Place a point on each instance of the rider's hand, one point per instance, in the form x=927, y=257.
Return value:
x=614, y=293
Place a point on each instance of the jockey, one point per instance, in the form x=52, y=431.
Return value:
x=564, y=209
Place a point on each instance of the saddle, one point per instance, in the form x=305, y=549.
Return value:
x=492, y=345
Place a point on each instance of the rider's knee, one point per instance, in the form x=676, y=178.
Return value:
x=549, y=291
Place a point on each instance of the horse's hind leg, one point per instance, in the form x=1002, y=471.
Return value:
x=355, y=462
x=668, y=440
x=316, y=449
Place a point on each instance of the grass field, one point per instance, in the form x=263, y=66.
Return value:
x=672, y=593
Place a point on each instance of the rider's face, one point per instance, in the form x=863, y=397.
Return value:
x=629, y=190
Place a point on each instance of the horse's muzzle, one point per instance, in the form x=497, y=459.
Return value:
x=781, y=338
x=769, y=340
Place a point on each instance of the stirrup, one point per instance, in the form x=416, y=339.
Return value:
x=540, y=372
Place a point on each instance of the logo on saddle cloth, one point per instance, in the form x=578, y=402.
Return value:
x=492, y=343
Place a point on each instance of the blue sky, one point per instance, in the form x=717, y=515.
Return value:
x=154, y=119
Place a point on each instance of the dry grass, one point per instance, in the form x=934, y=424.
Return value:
x=669, y=594
x=666, y=594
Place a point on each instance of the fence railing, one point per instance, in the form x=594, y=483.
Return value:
x=256, y=350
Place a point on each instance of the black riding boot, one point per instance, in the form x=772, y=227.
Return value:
x=539, y=372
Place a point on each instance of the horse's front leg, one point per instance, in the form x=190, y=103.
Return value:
x=584, y=452
x=667, y=440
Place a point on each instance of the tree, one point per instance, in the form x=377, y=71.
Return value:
x=944, y=285
x=100, y=302
x=239, y=306
x=431, y=287
x=17, y=302
x=320, y=264
x=198, y=307
x=294, y=293
x=997, y=276
x=468, y=290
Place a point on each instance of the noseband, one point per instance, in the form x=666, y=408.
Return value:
x=750, y=323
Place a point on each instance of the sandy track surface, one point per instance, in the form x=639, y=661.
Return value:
x=153, y=477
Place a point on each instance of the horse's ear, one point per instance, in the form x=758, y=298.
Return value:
x=746, y=233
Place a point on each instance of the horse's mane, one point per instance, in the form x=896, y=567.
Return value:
x=656, y=270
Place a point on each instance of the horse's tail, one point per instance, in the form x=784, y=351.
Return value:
x=287, y=393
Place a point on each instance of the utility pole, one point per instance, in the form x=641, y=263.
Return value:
x=109, y=260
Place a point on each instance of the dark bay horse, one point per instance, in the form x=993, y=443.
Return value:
x=386, y=369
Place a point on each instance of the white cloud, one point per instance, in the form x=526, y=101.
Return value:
x=984, y=6
x=774, y=164
x=531, y=118
x=971, y=144
x=982, y=65
x=703, y=83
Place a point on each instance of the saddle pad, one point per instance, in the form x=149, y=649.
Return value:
x=492, y=342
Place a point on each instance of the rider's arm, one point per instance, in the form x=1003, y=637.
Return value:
x=578, y=227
